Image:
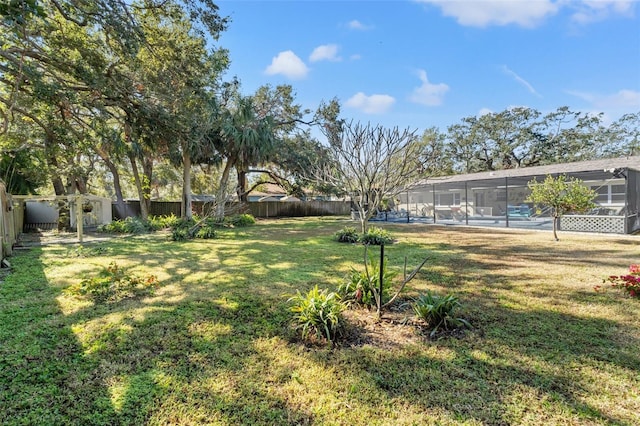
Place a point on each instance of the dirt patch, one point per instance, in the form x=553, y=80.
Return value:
x=396, y=328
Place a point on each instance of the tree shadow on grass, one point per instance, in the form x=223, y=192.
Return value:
x=136, y=361
x=194, y=362
x=198, y=352
x=45, y=377
x=529, y=361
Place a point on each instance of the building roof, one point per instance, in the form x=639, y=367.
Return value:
x=605, y=166
x=268, y=189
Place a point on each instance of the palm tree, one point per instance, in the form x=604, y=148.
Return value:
x=244, y=139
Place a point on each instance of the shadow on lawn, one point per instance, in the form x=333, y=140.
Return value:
x=194, y=363
x=45, y=378
x=153, y=364
x=527, y=246
x=193, y=353
x=501, y=375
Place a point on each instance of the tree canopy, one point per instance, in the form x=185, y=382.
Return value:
x=118, y=90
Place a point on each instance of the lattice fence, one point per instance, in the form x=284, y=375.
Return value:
x=583, y=223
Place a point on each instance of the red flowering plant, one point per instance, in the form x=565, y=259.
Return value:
x=629, y=283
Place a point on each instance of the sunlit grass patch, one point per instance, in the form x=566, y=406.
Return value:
x=214, y=345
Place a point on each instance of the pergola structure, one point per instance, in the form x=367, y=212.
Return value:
x=80, y=205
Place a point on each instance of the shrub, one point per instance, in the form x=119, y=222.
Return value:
x=439, y=311
x=348, y=234
x=180, y=234
x=359, y=287
x=163, y=222
x=629, y=283
x=318, y=312
x=206, y=231
x=130, y=225
x=113, y=284
x=240, y=220
x=194, y=228
x=180, y=229
x=376, y=236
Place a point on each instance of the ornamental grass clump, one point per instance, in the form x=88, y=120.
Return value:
x=361, y=287
x=629, y=283
x=439, y=312
x=318, y=313
x=348, y=234
x=376, y=237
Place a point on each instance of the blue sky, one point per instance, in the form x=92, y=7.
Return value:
x=420, y=64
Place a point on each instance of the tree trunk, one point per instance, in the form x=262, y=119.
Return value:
x=80, y=184
x=117, y=187
x=185, y=209
x=556, y=219
x=242, y=186
x=363, y=218
x=147, y=170
x=64, y=218
x=144, y=212
x=222, y=190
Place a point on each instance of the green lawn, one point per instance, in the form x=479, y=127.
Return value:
x=213, y=345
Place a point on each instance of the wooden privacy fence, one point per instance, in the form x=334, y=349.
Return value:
x=8, y=230
x=261, y=209
x=299, y=208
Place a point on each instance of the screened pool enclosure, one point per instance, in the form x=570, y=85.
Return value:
x=499, y=198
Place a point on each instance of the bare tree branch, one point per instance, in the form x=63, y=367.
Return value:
x=370, y=163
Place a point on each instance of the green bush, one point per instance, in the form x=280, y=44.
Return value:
x=113, y=284
x=318, y=313
x=376, y=236
x=194, y=228
x=206, y=232
x=163, y=222
x=130, y=225
x=180, y=229
x=348, y=234
x=180, y=234
x=359, y=287
x=439, y=311
x=240, y=220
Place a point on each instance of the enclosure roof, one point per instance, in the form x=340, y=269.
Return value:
x=605, y=165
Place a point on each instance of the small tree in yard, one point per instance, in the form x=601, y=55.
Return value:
x=370, y=163
x=562, y=195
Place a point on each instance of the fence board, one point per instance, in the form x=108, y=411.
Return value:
x=262, y=209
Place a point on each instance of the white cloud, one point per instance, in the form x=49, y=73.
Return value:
x=484, y=111
x=357, y=25
x=524, y=13
x=529, y=13
x=355, y=57
x=624, y=98
x=374, y=104
x=287, y=64
x=428, y=94
x=326, y=52
x=597, y=10
x=520, y=80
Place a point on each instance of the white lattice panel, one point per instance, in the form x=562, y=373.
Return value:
x=603, y=224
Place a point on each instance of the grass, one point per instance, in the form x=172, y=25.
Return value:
x=213, y=344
